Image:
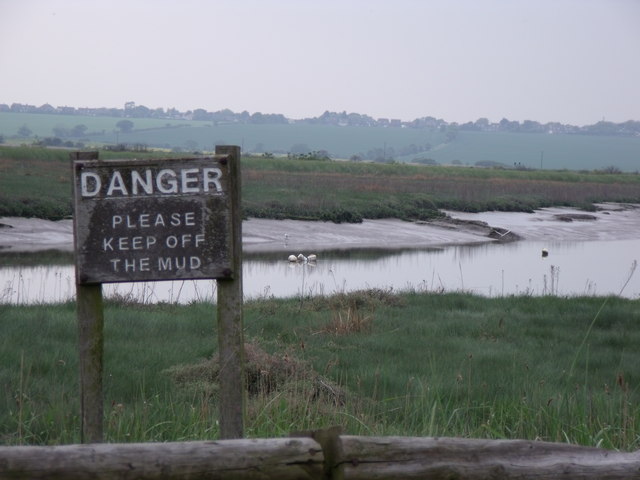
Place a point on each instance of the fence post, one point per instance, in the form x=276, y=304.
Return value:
x=332, y=451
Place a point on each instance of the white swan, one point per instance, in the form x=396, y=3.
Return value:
x=302, y=259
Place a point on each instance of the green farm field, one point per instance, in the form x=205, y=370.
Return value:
x=42, y=125
x=555, y=152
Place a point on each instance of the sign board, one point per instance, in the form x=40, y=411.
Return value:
x=163, y=219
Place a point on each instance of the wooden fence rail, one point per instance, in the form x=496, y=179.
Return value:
x=321, y=455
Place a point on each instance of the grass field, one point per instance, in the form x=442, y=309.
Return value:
x=36, y=182
x=419, y=363
x=42, y=125
x=554, y=152
x=540, y=151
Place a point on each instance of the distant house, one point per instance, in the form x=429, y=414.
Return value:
x=66, y=110
x=46, y=108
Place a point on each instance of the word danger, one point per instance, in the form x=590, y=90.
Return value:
x=166, y=181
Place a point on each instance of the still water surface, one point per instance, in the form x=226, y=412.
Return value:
x=572, y=268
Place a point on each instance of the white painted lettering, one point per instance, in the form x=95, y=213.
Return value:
x=142, y=243
x=186, y=239
x=148, y=220
x=131, y=264
x=150, y=181
x=90, y=184
x=116, y=183
x=146, y=184
x=172, y=241
x=164, y=263
x=166, y=181
x=190, y=180
x=211, y=176
x=179, y=263
x=136, y=243
x=107, y=244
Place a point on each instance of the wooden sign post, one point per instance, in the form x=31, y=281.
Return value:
x=230, y=325
x=148, y=220
x=90, y=347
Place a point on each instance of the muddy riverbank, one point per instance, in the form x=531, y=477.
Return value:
x=610, y=221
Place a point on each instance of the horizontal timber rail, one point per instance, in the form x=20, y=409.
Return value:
x=322, y=454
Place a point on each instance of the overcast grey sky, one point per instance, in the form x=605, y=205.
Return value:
x=572, y=61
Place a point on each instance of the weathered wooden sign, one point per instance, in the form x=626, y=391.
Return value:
x=140, y=220
x=167, y=219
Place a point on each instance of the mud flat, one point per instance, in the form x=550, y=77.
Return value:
x=610, y=221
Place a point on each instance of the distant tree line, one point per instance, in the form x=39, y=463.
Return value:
x=342, y=119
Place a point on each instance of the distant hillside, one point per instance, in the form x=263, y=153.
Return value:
x=340, y=119
x=430, y=143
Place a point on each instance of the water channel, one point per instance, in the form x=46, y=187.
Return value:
x=594, y=268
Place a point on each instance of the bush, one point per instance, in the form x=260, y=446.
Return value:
x=49, y=142
x=34, y=208
x=611, y=169
x=339, y=215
